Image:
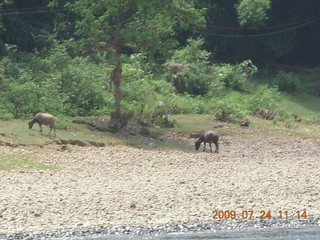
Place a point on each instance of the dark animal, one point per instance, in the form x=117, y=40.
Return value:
x=208, y=137
x=245, y=123
x=46, y=119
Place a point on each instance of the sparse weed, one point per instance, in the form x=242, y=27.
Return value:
x=133, y=205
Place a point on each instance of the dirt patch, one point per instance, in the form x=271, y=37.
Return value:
x=79, y=143
x=9, y=144
x=101, y=124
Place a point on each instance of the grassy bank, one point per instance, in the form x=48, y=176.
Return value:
x=16, y=132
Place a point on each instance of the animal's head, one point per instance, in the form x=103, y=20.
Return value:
x=30, y=125
x=197, y=144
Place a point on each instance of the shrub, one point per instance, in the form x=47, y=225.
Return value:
x=230, y=108
x=189, y=69
x=263, y=97
x=288, y=82
x=235, y=76
x=23, y=98
x=56, y=83
x=252, y=13
x=62, y=122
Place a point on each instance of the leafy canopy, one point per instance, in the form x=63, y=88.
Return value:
x=252, y=13
x=143, y=24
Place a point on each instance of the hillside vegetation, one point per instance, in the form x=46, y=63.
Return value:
x=87, y=59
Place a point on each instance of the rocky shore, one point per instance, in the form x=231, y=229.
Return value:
x=154, y=231
x=99, y=189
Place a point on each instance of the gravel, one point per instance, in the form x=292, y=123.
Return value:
x=123, y=189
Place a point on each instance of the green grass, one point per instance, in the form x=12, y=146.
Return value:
x=22, y=162
x=16, y=131
x=305, y=106
x=187, y=123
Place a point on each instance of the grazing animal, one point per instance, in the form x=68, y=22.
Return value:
x=208, y=137
x=46, y=119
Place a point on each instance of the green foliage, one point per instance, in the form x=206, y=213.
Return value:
x=133, y=205
x=56, y=77
x=282, y=116
x=231, y=107
x=22, y=162
x=235, y=76
x=140, y=25
x=56, y=83
x=4, y=115
x=288, y=82
x=190, y=71
x=311, y=85
x=184, y=104
x=252, y=13
x=27, y=32
x=84, y=86
x=143, y=24
x=263, y=97
x=23, y=98
x=234, y=106
x=62, y=122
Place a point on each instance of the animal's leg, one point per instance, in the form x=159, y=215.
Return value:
x=40, y=125
x=204, y=148
x=210, y=146
x=50, y=130
x=217, y=148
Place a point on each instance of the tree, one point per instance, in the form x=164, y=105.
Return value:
x=252, y=13
x=27, y=25
x=190, y=70
x=144, y=25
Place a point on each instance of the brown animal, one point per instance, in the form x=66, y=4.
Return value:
x=264, y=113
x=208, y=137
x=46, y=119
x=297, y=119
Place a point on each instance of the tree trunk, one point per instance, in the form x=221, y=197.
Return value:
x=116, y=80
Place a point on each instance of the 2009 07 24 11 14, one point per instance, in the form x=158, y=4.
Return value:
x=248, y=214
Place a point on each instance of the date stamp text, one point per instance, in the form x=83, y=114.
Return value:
x=247, y=214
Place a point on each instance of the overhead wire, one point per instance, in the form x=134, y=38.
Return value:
x=255, y=35
x=36, y=10
x=261, y=27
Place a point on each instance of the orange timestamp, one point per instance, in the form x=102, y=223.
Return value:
x=247, y=214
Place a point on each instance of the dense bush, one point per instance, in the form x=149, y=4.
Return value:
x=55, y=83
x=235, y=76
x=189, y=69
x=288, y=82
x=263, y=97
x=61, y=85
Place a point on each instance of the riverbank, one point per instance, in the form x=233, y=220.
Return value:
x=105, y=187
x=222, y=227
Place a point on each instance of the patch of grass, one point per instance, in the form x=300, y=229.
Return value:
x=187, y=123
x=305, y=106
x=133, y=205
x=16, y=132
x=22, y=162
